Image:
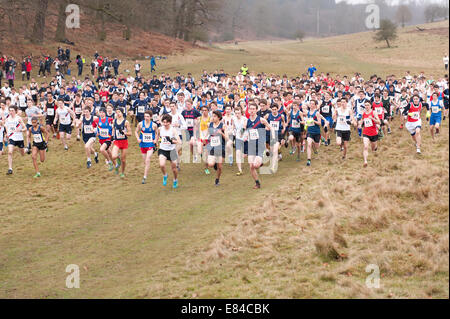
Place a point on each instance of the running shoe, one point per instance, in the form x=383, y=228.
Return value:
x=37, y=175
x=207, y=172
x=418, y=151
x=96, y=158
x=175, y=184
x=89, y=164
x=111, y=167
x=144, y=181
x=230, y=159
x=66, y=148
x=308, y=163
x=10, y=171
x=239, y=173
x=122, y=175
x=389, y=130
x=217, y=182
x=165, y=180
x=257, y=186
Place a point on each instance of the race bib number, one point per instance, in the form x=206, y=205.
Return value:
x=342, y=119
x=147, y=138
x=380, y=110
x=295, y=124
x=141, y=109
x=404, y=103
x=78, y=110
x=326, y=109
x=37, y=138
x=166, y=141
x=215, y=141
x=190, y=122
x=368, y=123
x=435, y=109
x=254, y=135
x=88, y=129
x=155, y=117
x=104, y=132
x=33, y=92
x=415, y=115
x=275, y=125
x=11, y=129
x=50, y=112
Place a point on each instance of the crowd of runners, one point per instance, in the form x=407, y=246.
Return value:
x=222, y=119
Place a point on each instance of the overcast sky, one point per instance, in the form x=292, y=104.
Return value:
x=390, y=2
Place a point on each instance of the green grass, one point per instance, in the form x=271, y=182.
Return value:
x=147, y=241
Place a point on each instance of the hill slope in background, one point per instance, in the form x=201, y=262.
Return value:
x=141, y=44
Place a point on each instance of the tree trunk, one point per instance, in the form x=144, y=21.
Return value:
x=388, y=44
x=39, y=23
x=61, y=26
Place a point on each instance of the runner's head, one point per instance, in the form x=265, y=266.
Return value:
x=416, y=99
x=102, y=112
x=367, y=106
x=204, y=110
x=252, y=109
x=119, y=113
x=166, y=120
x=216, y=117
x=274, y=109
x=34, y=121
x=148, y=116
x=87, y=112
x=12, y=110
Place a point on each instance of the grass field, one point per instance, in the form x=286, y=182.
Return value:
x=309, y=233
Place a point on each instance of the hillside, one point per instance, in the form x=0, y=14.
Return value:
x=142, y=43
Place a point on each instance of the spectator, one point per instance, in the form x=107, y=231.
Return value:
x=29, y=68
x=116, y=64
x=24, y=69
x=41, y=68
x=10, y=76
x=80, y=65
x=445, y=59
x=312, y=69
x=137, y=68
x=68, y=54
x=152, y=64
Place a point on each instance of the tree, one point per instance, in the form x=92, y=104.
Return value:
x=432, y=12
x=39, y=22
x=60, y=34
x=299, y=35
x=403, y=15
x=387, y=32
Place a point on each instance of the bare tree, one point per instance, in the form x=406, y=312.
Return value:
x=403, y=15
x=60, y=34
x=39, y=23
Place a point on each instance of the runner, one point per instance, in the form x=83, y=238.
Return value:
x=314, y=120
x=15, y=127
x=228, y=130
x=326, y=110
x=256, y=128
x=146, y=135
x=31, y=111
x=39, y=135
x=65, y=117
x=167, y=149
x=296, y=126
x=370, y=131
x=278, y=125
x=216, y=146
x=77, y=106
x=241, y=135
x=436, y=107
x=203, y=140
x=121, y=132
x=414, y=123
x=88, y=125
x=191, y=115
x=104, y=131
x=49, y=110
x=343, y=117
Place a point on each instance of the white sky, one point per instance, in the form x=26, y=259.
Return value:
x=390, y=2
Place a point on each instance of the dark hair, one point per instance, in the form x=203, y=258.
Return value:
x=149, y=113
x=167, y=118
x=219, y=114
